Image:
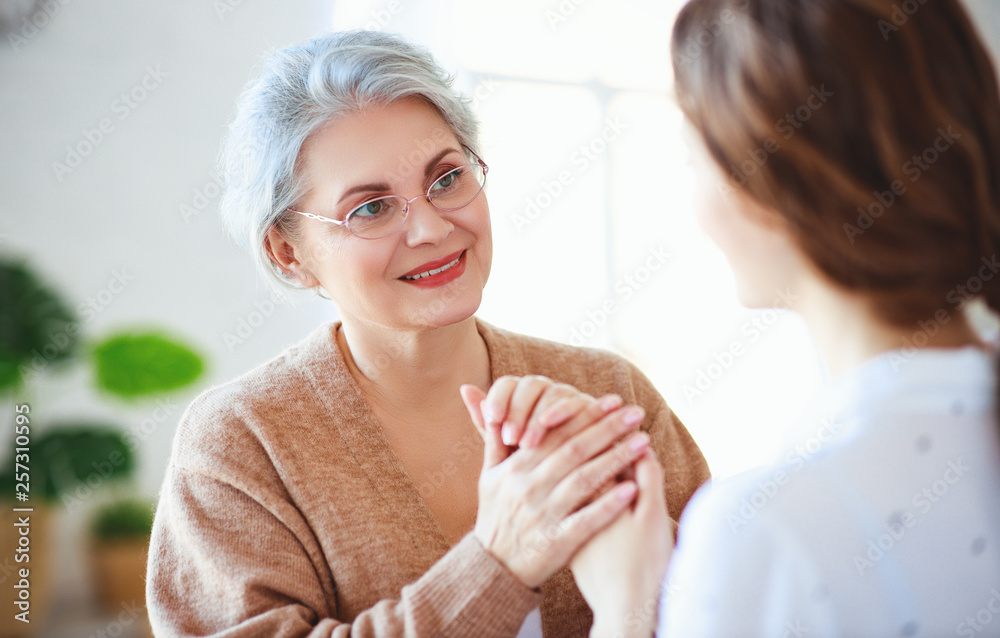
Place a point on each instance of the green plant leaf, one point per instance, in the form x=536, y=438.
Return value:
x=72, y=458
x=127, y=518
x=37, y=328
x=139, y=364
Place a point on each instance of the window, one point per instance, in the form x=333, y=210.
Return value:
x=595, y=240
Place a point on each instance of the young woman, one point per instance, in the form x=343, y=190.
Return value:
x=341, y=489
x=850, y=151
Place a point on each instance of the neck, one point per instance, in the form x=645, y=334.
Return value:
x=415, y=371
x=848, y=332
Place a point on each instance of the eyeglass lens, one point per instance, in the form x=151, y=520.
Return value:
x=451, y=191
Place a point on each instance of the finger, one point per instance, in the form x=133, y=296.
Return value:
x=562, y=411
x=586, y=445
x=498, y=399
x=649, y=478
x=585, y=419
x=522, y=403
x=582, y=525
x=588, y=480
x=494, y=450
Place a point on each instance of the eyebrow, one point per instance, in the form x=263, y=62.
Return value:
x=381, y=186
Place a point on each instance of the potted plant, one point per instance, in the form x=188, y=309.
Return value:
x=119, y=533
x=71, y=460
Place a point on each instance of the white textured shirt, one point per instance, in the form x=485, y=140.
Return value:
x=880, y=516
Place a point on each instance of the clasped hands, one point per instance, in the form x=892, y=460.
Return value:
x=567, y=480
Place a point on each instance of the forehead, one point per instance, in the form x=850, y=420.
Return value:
x=390, y=143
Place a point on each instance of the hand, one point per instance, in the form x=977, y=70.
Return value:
x=525, y=407
x=530, y=516
x=620, y=571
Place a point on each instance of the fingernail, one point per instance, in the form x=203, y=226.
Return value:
x=633, y=416
x=507, y=434
x=610, y=403
x=625, y=491
x=638, y=442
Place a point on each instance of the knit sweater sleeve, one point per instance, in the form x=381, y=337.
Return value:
x=223, y=562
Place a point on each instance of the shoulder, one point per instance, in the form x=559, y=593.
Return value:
x=593, y=370
x=235, y=415
x=734, y=532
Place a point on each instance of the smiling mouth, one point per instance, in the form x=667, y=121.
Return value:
x=434, y=271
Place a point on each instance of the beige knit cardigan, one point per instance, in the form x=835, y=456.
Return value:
x=284, y=512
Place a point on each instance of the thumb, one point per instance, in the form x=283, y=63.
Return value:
x=649, y=477
x=495, y=450
x=473, y=397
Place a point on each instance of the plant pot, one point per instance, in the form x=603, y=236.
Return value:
x=40, y=577
x=120, y=572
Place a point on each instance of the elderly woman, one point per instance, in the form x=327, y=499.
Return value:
x=341, y=488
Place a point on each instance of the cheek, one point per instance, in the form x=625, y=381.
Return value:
x=714, y=214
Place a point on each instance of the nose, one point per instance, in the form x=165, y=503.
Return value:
x=424, y=223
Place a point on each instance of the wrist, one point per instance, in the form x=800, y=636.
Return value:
x=507, y=563
x=627, y=618
x=603, y=628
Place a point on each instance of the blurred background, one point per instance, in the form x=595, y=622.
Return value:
x=113, y=113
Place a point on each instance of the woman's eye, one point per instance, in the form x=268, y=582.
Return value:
x=447, y=181
x=369, y=209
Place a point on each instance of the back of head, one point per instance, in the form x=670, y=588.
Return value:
x=888, y=123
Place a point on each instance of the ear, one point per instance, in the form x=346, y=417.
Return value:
x=285, y=255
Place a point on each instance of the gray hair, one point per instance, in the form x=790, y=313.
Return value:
x=298, y=89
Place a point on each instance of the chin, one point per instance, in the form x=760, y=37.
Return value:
x=753, y=299
x=449, y=309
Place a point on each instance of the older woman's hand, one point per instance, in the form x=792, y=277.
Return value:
x=533, y=503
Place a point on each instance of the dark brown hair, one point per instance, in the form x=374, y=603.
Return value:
x=872, y=127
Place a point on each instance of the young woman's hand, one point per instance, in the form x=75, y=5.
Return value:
x=620, y=571
x=538, y=506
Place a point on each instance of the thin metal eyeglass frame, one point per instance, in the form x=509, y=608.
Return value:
x=406, y=206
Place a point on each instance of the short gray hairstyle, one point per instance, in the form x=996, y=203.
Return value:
x=300, y=88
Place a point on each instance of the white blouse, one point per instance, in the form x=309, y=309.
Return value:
x=880, y=516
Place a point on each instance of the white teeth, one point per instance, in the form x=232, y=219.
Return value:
x=434, y=271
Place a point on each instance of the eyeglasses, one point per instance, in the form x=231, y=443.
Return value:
x=382, y=216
